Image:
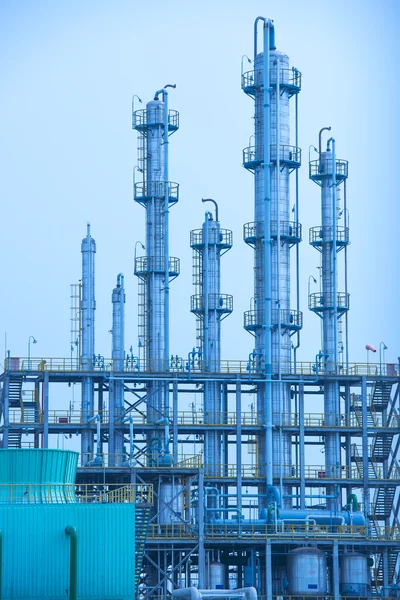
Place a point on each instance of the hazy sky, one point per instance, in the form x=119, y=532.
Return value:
x=68, y=72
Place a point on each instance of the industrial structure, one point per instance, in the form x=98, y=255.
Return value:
x=239, y=497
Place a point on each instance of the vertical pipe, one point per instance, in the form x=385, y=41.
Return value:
x=297, y=226
x=301, y=449
x=175, y=420
x=364, y=412
x=166, y=237
x=335, y=569
x=46, y=410
x=239, y=447
x=206, y=292
x=267, y=252
x=334, y=255
x=346, y=224
x=73, y=566
x=201, y=531
x=268, y=569
x=278, y=267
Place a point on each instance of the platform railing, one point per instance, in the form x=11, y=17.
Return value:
x=132, y=365
x=104, y=460
x=70, y=493
x=284, y=531
x=68, y=417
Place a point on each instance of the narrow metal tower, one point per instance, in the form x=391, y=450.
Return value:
x=210, y=307
x=271, y=319
x=329, y=172
x=88, y=307
x=116, y=402
x=155, y=270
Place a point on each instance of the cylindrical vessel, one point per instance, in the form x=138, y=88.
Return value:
x=171, y=503
x=116, y=442
x=279, y=269
x=216, y=576
x=307, y=572
x=88, y=307
x=354, y=576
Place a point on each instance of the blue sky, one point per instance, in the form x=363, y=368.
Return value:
x=69, y=70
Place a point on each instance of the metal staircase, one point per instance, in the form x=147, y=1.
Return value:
x=392, y=564
x=383, y=502
x=30, y=407
x=381, y=395
x=142, y=517
x=15, y=392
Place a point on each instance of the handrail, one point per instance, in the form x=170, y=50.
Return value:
x=71, y=493
x=212, y=419
x=99, y=364
x=281, y=531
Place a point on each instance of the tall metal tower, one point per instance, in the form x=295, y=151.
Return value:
x=155, y=270
x=271, y=319
x=210, y=307
x=88, y=307
x=329, y=172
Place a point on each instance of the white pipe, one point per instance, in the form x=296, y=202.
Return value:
x=193, y=593
x=98, y=443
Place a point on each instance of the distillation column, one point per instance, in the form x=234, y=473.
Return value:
x=210, y=307
x=328, y=172
x=88, y=307
x=116, y=436
x=270, y=319
x=156, y=269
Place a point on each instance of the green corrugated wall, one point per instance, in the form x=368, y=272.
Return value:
x=36, y=551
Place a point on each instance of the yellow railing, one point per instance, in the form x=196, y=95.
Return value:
x=218, y=419
x=234, y=367
x=237, y=530
x=96, y=461
x=317, y=472
x=55, y=493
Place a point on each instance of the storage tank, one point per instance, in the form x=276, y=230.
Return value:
x=171, y=503
x=354, y=575
x=216, y=576
x=307, y=573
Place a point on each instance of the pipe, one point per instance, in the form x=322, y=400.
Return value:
x=334, y=249
x=273, y=491
x=272, y=37
x=267, y=252
x=353, y=501
x=98, y=443
x=320, y=139
x=215, y=204
x=166, y=216
x=278, y=265
x=73, y=565
x=193, y=593
x=164, y=422
x=297, y=229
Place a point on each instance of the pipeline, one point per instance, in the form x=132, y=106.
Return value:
x=73, y=565
x=193, y=593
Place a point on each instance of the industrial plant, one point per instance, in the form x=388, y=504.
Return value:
x=192, y=493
